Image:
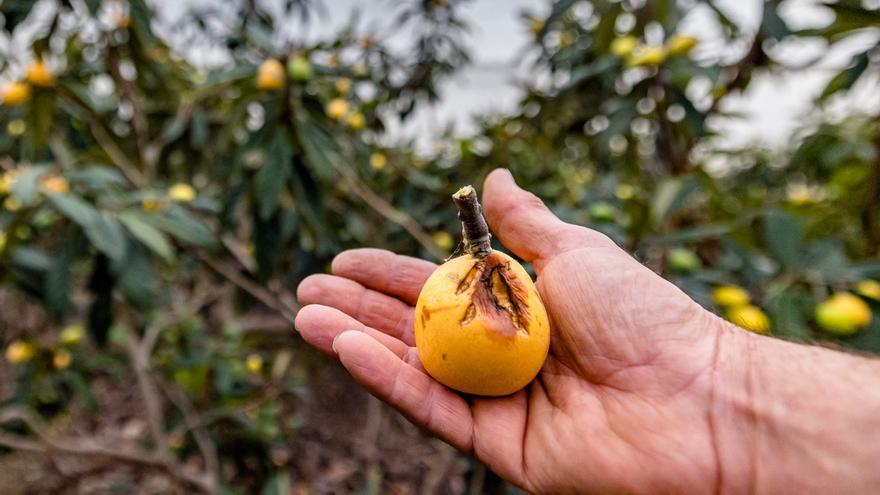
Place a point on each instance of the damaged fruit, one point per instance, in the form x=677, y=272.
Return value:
x=480, y=325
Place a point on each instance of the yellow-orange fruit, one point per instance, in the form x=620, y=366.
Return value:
x=39, y=74
x=270, y=75
x=17, y=93
x=480, y=326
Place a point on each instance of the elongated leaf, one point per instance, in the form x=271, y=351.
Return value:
x=135, y=277
x=584, y=72
x=270, y=179
x=27, y=184
x=181, y=225
x=784, y=238
x=96, y=176
x=789, y=312
x=322, y=153
x=150, y=236
x=847, y=77
x=102, y=229
x=56, y=284
x=670, y=196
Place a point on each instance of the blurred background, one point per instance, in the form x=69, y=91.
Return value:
x=171, y=171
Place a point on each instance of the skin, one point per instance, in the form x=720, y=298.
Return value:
x=644, y=391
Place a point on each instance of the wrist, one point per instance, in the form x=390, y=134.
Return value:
x=794, y=418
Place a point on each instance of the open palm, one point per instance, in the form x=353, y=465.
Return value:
x=625, y=401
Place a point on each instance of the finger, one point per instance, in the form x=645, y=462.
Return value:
x=384, y=271
x=526, y=226
x=319, y=325
x=421, y=399
x=369, y=307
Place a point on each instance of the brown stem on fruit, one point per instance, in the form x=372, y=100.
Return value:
x=477, y=239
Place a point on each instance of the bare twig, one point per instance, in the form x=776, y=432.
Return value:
x=387, y=210
x=195, y=424
x=103, y=138
x=742, y=71
x=138, y=120
x=259, y=292
x=152, y=402
x=87, y=446
x=205, y=297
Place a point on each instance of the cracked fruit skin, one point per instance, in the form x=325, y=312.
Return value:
x=480, y=325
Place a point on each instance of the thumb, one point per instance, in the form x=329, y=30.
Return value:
x=526, y=226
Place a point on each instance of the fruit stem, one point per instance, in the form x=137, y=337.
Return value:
x=477, y=239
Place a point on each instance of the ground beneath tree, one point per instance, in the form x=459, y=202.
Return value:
x=348, y=442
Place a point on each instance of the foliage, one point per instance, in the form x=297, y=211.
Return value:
x=162, y=206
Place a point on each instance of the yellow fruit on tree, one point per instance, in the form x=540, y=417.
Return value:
x=869, y=288
x=378, y=161
x=730, y=295
x=17, y=93
x=647, y=55
x=12, y=204
x=536, y=25
x=342, y=85
x=181, y=192
x=480, y=325
x=54, y=184
x=443, y=239
x=623, y=46
x=39, y=74
x=71, y=335
x=680, y=44
x=843, y=314
x=356, y=121
x=20, y=351
x=254, y=363
x=337, y=108
x=270, y=75
x=61, y=359
x=749, y=317
x=7, y=180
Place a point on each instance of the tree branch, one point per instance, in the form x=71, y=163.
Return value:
x=88, y=446
x=387, y=210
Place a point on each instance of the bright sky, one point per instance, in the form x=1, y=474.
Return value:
x=773, y=107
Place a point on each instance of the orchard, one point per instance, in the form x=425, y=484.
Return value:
x=157, y=212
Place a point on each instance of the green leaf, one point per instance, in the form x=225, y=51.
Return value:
x=103, y=230
x=847, y=77
x=322, y=153
x=96, y=176
x=134, y=276
x=150, y=236
x=56, y=284
x=772, y=26
x=181, y=225
x=270, y=179
x=141, y=17
x=583, y=72
x=670, y=196
x=27, y=185
x=789, y=312
x=784, y=238
x=30, y=258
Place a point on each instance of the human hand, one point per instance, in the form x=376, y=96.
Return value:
x=643, y=390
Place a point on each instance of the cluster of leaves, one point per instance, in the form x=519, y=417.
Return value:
x=163, y=206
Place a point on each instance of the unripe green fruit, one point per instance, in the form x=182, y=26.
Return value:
x=602, y=212
x=299, y=69
x=683, y=260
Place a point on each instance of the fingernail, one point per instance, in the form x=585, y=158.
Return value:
x=333, y=344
